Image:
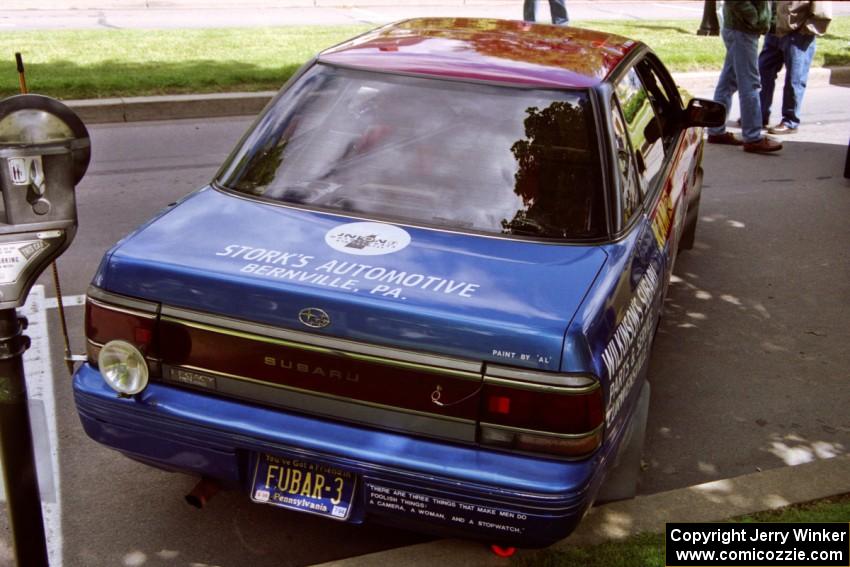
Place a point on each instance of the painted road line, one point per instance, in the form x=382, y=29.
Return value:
x=42, y=405
x=67, y=301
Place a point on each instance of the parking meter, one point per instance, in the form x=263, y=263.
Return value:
x=44, y=152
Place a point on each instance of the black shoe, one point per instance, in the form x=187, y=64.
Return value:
x=782, y=128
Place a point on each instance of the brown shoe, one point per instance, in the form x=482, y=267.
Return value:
x=763, y=146
x=726, y=138
x=782, y=128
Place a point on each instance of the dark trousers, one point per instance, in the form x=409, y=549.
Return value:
x=557, y=7
x=793, y=51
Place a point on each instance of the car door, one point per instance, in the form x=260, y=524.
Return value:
x=665, y=156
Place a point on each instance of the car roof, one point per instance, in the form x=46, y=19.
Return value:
x=503, y=51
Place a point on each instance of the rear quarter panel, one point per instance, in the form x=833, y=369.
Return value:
x=613, y=331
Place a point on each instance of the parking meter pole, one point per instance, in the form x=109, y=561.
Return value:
x=22, y=78
x=710, y=25
x=23, y=501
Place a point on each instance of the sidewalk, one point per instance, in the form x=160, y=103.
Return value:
x=709, y=502
x=175, y=107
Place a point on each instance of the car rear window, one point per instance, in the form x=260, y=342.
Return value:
x=428, y=151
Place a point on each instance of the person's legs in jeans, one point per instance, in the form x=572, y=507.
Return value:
x=771, y=60
x=744, y=47
x=726, y=83
x=558, y=9
x=799, y=51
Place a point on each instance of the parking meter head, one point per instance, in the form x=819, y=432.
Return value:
x=44, y=152
x=30, y=119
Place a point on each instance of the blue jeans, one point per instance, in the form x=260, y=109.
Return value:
x=741, y=73
x=795, y=51
x=556, y=7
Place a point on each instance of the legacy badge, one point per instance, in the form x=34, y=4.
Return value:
x=314, y=317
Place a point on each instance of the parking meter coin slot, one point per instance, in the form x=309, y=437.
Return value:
x=44, y=191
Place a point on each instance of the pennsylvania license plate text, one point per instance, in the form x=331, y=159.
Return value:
x=303, y=485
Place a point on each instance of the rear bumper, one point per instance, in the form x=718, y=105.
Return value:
x=469, y=492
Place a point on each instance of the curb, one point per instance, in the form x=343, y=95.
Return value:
x=710, y=502
x=818, y=77
x=174, y=107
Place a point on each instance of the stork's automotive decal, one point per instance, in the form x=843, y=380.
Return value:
x=367, y=238
x=348, y=276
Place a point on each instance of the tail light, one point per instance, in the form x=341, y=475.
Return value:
x=540, y=412
x=112, y=317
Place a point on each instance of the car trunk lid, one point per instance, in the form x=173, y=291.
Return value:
x=245, y=287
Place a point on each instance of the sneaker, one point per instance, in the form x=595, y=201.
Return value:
x=782, y=128
x=726, y=138
x=763, y=146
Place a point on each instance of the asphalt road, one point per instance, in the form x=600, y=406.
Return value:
x=182, y=14
x=125, y=14
x=749, y=371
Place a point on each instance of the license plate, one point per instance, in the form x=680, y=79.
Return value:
x=303, y=485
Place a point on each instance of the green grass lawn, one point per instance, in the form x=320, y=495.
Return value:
x=104, y=63
x=681, y=49
x=647, y=550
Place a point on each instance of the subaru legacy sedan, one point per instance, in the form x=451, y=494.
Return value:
x=422, y=290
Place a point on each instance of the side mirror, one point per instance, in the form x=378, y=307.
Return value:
x=703, y=112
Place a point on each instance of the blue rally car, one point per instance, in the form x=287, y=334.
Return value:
x=422, y=289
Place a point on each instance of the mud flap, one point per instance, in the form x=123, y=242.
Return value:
x=621, y=482
x=688, y=238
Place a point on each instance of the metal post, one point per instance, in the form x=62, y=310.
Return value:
x=709, y=25
x=22, y=497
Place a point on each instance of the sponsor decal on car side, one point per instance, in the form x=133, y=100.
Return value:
x=628, y=349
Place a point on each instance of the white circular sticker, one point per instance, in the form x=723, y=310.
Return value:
x=367, y=238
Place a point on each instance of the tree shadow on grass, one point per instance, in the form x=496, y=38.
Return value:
x=68, y=80
x=836, y=59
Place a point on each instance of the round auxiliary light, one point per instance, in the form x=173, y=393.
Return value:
x=123, y=367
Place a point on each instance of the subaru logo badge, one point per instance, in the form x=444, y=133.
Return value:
x=314, y=317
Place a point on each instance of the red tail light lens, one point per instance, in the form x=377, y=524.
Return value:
x=499, y=405
x=564, y=417
x=110, y=317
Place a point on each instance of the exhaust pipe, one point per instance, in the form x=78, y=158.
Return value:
x=203, y=491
